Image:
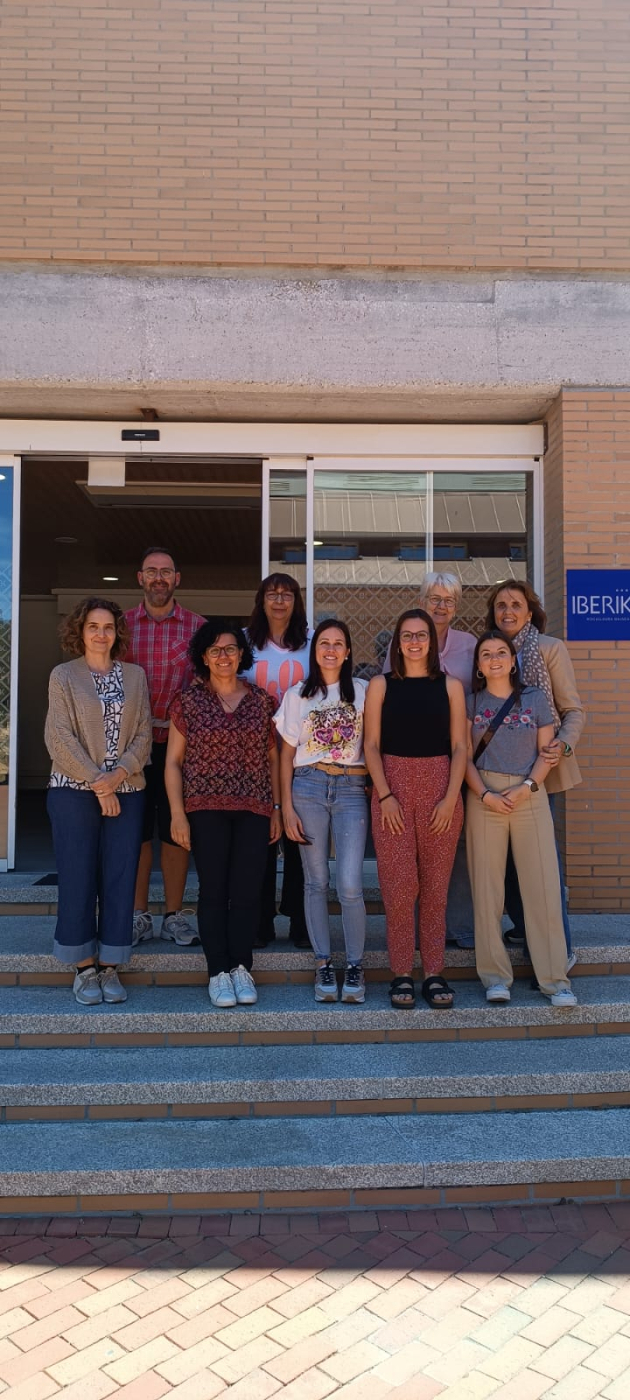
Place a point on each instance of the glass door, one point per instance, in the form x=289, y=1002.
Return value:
x=372, y=539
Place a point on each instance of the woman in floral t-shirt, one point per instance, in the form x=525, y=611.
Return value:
x=222, y=780
x=323, y=776
x=508, y=803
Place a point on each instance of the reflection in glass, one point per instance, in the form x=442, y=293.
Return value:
x=482, y=534
x=287, y=524
x=370, y=554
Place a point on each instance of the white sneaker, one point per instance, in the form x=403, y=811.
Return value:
x=221, y=991
x=244, y=986
x=86, y=987
x=498, y=993
x=565, y=997
x=571, y=962
x=142, y=926
x=178, y=929
x=111, y=986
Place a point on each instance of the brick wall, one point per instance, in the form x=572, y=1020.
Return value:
x=487, y=134
x=589, y=462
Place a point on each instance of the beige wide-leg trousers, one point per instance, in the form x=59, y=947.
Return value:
x=530, y=829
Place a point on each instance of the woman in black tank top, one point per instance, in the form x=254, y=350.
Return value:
x=415, y=749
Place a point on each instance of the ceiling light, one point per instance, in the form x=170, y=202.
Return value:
x=110, y=578
x=66, y=539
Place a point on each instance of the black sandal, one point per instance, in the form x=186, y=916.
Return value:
x=433, y=986
x=402, y=993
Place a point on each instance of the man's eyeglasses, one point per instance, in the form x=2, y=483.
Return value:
x=435, y=602
x=278, y=597
x=215, y=652
x=151, y=574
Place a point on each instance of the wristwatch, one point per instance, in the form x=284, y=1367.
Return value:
x=531, y=784
x=567, y=751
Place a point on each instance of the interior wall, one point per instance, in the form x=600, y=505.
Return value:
x=39, y=652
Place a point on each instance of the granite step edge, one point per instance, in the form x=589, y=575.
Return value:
x=116, y=1021
x=280, y=961
x=273, y=1091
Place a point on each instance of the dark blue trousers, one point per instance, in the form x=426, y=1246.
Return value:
x=97, y=862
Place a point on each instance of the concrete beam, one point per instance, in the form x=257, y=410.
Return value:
x=242, y=345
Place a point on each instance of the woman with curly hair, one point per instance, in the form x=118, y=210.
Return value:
x=279, y=637
x=323, y=794
x=223, y=786
x=98, y=735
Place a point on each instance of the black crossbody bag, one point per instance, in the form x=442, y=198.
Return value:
x=493, y=726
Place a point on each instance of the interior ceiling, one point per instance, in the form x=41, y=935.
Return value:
x=214, y=545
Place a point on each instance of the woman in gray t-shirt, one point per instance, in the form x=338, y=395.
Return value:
x=507, y=802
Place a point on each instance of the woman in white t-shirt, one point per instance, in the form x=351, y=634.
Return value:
x=323, y=776
x=279, y=637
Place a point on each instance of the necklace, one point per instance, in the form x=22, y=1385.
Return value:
x=230, y=708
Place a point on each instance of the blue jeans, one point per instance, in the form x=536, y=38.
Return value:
x=513, y=901
x=97, y=860
x=326, y=803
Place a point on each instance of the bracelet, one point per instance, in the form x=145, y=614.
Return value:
x=484, y=794
x=277, y=806
x=385, y=796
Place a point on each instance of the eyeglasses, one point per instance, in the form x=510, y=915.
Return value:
x=414, y=637
x=279, y=597
x=215, y=652
x=435, y=602
x=151, y=574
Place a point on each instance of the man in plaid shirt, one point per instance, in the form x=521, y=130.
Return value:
x=160, y=632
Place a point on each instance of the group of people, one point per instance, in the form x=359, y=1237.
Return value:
x=234, y=740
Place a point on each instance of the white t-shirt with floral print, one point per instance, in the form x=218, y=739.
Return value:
x=325, y=728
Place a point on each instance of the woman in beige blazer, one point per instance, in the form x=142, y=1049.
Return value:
x=544, y=662
x=98, y=735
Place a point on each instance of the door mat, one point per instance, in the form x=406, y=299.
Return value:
x=52, y=879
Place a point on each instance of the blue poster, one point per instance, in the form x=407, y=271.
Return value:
x=598, y=605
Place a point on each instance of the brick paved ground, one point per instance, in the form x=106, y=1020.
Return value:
x=462, y=1304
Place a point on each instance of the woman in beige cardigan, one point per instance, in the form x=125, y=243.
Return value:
x=543, y=661
x=98, y=735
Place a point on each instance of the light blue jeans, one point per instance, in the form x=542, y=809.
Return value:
x=325, y=803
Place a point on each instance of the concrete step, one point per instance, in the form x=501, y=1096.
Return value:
x=297, y=1162
x=316, y=1080
x=33, y=1016
x=602, y=944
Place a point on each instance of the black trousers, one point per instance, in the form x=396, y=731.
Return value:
x=230, y=850
x=292, y=900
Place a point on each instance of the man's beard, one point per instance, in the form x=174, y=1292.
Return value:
x=159, y=597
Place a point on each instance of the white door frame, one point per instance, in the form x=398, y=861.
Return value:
x=348, y=446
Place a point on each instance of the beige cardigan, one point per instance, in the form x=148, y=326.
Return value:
x=569, y=706
x=75, y=732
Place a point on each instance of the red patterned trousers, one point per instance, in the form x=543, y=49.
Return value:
x=417, y=864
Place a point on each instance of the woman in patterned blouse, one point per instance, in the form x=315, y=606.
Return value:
x=223, y=785
x=98, y=735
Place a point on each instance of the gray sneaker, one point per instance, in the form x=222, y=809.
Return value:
x=178, y=929
x=87, y=988
x=326, y=988
x=111, y=986
x=353, y=984
x=142, y=926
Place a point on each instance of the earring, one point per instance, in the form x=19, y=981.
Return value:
x=479, y=675
x=513, y=669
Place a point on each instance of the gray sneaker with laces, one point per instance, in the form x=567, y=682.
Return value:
x=326, y=988
x=86, y=987
x=178, y=929
x=221, y=990
x=244, y=986
x=142, y=926
x=111, y=986
x=353, y=983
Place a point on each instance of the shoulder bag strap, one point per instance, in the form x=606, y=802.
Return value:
x=493, y=726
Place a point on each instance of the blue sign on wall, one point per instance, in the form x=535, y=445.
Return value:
x=598, y=605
